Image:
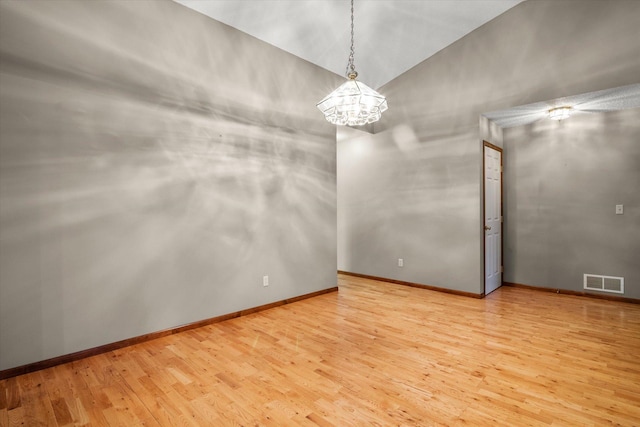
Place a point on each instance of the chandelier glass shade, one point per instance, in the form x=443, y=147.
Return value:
x=353, y=103
x=560, y=113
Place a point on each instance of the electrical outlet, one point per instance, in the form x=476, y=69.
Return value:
x=619, y=209
x=400, y=262
x=265, y=280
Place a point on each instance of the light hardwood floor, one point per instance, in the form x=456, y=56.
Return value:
x=372, y=354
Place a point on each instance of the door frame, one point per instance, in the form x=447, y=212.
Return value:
x=484, y=219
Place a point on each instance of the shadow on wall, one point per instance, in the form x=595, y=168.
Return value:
x=148, y=179
x=394, y=194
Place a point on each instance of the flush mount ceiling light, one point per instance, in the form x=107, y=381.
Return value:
x=353, y=103
x=560, y=113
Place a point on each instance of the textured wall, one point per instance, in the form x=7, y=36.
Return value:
x=491, y=132
x=562, y=182
x=419, y=184
x=154, y=165
x=398, y=200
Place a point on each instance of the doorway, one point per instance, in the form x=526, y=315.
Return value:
x=492, y=178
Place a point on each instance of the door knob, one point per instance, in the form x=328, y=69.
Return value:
x=486, y=227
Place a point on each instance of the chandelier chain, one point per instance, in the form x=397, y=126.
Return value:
x=351, y=68
x=353, y=103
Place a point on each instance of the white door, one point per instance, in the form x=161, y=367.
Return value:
x=492, y=219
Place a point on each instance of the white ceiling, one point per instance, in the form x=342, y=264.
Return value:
x=391, y=36
x=602, y=101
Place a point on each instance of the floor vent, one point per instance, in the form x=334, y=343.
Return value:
x=595, y=282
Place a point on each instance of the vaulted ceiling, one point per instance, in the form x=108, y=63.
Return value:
x=391, y=36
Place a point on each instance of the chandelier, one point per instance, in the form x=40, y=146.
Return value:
x=560, y=113
x=353, y=103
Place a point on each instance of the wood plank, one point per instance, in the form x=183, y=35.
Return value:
x=12, y=394
x=61, y=411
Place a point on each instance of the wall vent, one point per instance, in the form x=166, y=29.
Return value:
x=595, y=282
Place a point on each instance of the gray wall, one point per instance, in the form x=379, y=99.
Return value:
x=154, y=165
x=419, y=186
x=360, y=190
x=562, y=181
x=491, y=132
